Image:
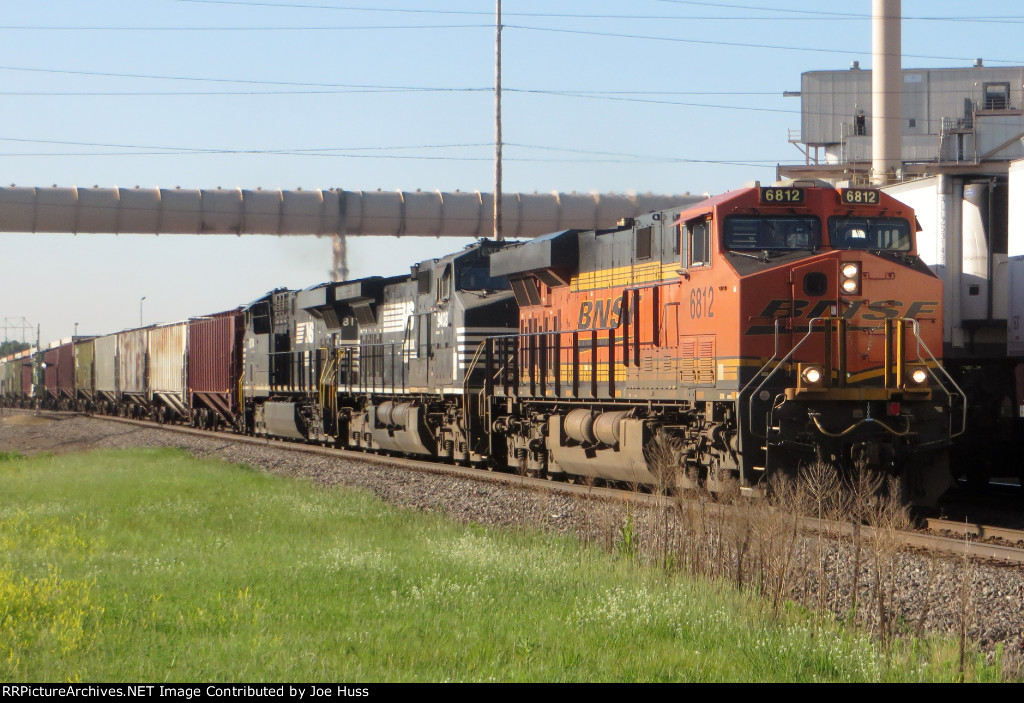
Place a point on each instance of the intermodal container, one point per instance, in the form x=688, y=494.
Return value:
x=106, y=364
x=167, y=359
x=132, y=346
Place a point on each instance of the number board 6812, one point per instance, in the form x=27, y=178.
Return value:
x=780, y=196
x=860, y=196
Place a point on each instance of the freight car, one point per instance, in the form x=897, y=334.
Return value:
x=214, y=366
x=715, y=344
x=41, y=378
x=16, y=379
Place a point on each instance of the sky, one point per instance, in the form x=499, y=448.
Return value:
x=659, y=96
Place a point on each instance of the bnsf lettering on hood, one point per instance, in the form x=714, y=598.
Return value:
x=600, y=313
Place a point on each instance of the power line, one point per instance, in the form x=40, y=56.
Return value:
x=805, y=15
x=744, y=45
x=357, y=91
x=626, y=95
x=765, y=9
x=201, y=79
x=274, y=28
x=150, y=150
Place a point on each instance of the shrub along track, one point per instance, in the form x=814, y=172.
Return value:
x=925, y=589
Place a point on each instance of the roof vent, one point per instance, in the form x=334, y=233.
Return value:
x=855, y=66
x=978, y=63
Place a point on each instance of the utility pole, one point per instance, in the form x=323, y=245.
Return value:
x=498, y=235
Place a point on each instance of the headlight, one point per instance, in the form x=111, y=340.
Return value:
x=850, y=274
x=918, y=375
x=811, y=375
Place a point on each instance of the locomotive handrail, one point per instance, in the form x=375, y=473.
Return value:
x=739, y=397
x=753, y=393
x=366, y=374
x=916, y=326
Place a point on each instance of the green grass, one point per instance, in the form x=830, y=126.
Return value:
x=150, y=565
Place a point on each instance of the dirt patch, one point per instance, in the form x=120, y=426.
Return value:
x=30, y=433
x=24, y=420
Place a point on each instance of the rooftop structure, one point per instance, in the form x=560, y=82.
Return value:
x=953, y=120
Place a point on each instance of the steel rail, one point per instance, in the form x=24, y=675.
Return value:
x=950, y=547
x=976, y=530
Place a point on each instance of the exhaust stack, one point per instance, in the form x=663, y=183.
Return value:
x=886, y=84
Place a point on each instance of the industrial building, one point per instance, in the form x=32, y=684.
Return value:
x=961, y=148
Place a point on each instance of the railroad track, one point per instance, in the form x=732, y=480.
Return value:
x=976, y=531
x=971, y=540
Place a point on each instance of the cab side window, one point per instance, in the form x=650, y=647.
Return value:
x=444, y=285
x=699, y=238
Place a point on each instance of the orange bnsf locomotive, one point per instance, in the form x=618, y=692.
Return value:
x=745, y=335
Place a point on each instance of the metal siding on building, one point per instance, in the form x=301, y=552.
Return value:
x=131, y=361
x=213, y=353
x=167, y=358
x=85, y=352
x=105, y=354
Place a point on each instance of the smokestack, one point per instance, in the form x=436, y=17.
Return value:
x=886, y=84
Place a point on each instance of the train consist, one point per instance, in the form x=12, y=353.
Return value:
x=716, y=343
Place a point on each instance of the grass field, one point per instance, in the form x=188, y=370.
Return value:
x=150, y=565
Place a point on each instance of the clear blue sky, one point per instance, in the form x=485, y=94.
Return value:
x=647, y=95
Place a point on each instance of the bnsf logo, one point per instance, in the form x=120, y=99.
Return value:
x=875, y=311
x=596, y=314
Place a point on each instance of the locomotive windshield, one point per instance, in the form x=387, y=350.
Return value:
x=479, y=278
x=875, y=233
x=746, y=232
